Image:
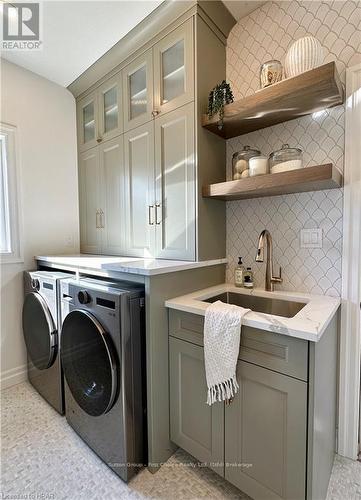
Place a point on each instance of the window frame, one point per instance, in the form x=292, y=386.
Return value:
x=13, y=194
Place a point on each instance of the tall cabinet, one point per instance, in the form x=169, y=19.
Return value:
x=140, y=146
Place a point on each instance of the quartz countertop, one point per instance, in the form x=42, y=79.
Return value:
x=133, y=265
x=308, y=324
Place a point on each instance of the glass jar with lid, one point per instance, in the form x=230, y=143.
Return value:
x=240, y=162
x=285, y=159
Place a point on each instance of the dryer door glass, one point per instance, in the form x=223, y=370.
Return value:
x=89, y=362
x=39, y=331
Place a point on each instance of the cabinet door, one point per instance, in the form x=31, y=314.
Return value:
x=87, y=121
x=175, y=184
x=194, y=426
x=138, y=91
x=110, y=108
x=265, y=445
x=112, y=196
x=89, y=201
x=174, y=69
x=139, y=191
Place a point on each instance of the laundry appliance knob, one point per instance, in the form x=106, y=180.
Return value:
x=35, y=284
x=84, y=297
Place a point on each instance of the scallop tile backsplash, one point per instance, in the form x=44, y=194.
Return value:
x=265, y=34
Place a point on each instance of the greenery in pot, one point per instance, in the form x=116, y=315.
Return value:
x=219, y=96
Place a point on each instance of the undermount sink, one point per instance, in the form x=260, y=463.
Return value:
x=277, y=307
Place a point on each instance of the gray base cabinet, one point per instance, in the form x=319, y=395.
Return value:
x=265, y=425
x=277, y=437
x=194, y=426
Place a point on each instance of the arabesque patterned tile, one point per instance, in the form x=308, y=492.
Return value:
x=265, y=34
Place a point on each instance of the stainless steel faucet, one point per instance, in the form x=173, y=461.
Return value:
x=265, y=236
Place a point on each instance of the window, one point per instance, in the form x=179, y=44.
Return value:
x=10, y=250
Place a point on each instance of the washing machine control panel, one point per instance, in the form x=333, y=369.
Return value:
x=84, y=297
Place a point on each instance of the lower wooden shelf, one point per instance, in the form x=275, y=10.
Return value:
x=295, y=181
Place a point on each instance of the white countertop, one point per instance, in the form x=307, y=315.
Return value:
x=133, y=265
x=308, y=324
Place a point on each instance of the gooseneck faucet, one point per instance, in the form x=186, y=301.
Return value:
x=265, y=237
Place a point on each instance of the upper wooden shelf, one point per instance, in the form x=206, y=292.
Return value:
x=301, y=95
x=294, y=181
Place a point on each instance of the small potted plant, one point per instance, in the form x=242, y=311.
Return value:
x=219, y=96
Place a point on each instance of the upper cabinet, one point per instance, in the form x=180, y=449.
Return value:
x=174, y=69
x=138, y=91
x=110, y=109
x=101, y=187
x=139, y=210
x=143, y=154
x=100, y=115
x=87, y=117
x=175, y=184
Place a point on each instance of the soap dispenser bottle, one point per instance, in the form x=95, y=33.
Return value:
x=248, y=278
x=239, y=273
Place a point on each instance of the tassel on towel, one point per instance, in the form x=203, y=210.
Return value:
x=222, y=334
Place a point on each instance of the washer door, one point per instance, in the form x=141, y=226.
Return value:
x=39, y=331
x=89, y=362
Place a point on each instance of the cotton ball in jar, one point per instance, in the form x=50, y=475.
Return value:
x=245, y=173
x=237, y=176
x=241, y=165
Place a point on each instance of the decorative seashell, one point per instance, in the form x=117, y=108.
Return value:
x=303, y=55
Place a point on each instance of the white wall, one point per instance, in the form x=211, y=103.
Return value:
x=44, y=114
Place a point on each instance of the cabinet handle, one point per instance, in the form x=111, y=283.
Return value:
x=155, y=112
x=150, y=218
x=102, y=223
x=97, y=226
x=157, y=221
x=99, y=139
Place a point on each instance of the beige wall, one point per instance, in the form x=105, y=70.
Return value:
x=44, y=114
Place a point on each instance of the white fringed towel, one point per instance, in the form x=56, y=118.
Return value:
x=222, y=335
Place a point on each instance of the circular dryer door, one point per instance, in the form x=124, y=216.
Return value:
x=89, y=362
x=39, y=331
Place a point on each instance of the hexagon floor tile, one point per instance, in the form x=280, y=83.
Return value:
x=43, y=458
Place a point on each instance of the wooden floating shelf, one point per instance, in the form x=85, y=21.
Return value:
x=294, y=181
x=312, y=91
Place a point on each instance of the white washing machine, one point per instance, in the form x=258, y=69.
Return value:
x=41, y=328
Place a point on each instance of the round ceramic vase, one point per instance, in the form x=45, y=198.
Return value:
x=303, y=55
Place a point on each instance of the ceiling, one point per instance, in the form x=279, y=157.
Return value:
x=76, y=34
x=241, y=9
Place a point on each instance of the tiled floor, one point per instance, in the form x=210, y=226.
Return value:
x=42, y=458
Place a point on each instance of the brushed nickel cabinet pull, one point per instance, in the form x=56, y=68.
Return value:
x=97, y=226
x=157, y=221
x=150, y=218
x=155, y=112
x=102, y=223
x=99, y=139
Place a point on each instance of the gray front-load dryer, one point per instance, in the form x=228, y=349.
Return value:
x=41, y=328
x=103, y=358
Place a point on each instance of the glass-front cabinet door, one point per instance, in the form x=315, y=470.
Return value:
x=87, y=115
x=138, y=91
x=174, y=69
x=110, y=109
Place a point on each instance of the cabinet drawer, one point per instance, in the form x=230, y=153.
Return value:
x=276, y=352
